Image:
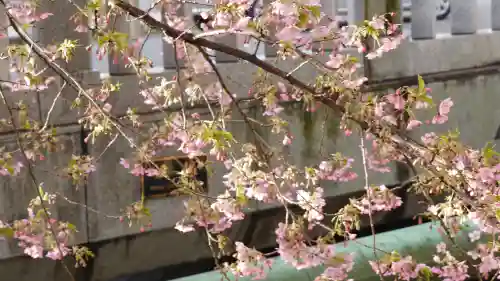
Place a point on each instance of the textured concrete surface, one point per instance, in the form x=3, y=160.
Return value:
x=439, y=55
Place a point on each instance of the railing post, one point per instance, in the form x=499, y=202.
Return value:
x=169, y=54
x=329, y=8
x=495, y=15
x=270, y=51
x=230, y=40
x=464, y=16
x=356, y=11
x=370, y=8
x=123, y=24
x=423, y=19
x=249, y=44
x=191, y=9
x=13, y=96
x=328, y=13
x=54, y=30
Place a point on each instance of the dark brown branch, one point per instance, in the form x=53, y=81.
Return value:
x=259, y=147
x=189, y=38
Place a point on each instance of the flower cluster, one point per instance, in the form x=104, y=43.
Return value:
x=449, y=267
x=337, y=169
x=215, y=217
x=403, y=268
x=294, y=250
x=39, y=236
x=80, y=167
x=312, y=203
x=250, y=262
x=378, y=198
x=26, y=11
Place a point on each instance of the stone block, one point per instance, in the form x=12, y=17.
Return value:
x=439, y=55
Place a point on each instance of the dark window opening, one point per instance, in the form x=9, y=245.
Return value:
x=158, y=186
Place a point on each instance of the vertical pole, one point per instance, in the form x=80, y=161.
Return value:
x=169, y=61
x=356, y=10
x=495, y=15
x=464, y=16
x=116, y=61
x=423, y=19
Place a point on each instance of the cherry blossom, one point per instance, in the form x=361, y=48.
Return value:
x=250, y=262
x=313, y=203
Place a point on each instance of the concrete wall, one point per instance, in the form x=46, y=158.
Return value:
x=122, y=250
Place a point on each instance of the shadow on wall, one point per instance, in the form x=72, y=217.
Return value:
x=497, y=135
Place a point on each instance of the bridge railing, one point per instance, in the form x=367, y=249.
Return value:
x=429, y=50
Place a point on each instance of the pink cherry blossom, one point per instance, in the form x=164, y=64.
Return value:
x=124, y=163
x=34, y=251
x=337, y=170
x=183, y=228
x=250, y=262
x=312, y=203
x=445, y=106
x=412, y=124
x=396, y=100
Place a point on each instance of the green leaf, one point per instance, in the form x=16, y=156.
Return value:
x=71, y=226
x=6, y=232
x=94, y=5
x=146, y=212
x=210, y=170
x=120, y=39
x=40, y=190
x=315, y=10
x=240, y=195
x=303, y=19
x=25, y=26
x=425, y=98
x=426, y=274
x=489, y=152
x=421, y=84
x=395, y=256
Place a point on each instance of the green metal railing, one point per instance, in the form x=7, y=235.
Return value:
x=419, y=241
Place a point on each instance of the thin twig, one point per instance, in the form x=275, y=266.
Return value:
x=369, y=197
x=259, y=147
x=52, y=107
x=87, y=207
x=181, y=86
x=107, y=147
